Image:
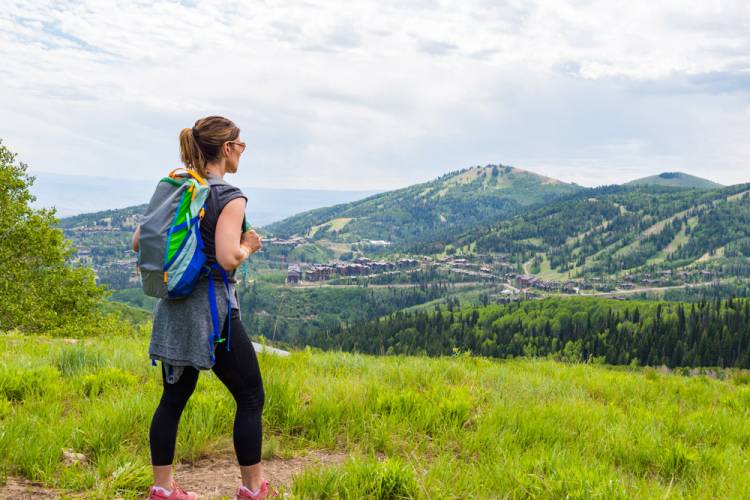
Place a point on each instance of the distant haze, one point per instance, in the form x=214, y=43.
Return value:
x=73, y=194
x=76, y=194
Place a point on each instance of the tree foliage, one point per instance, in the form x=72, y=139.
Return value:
x=707, y=333
x=39, y=288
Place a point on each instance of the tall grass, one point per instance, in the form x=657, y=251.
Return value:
x=414, y=427
x=357, y=479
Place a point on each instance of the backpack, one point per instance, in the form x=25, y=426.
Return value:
x=170, y=257
x=170, y=254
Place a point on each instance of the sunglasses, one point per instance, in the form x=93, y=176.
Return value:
x=240, y=144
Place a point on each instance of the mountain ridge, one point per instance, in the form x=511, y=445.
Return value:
x=675, y=179
x=457, y=199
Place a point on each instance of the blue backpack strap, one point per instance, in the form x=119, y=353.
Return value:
x=216, y=336
x=229, y=304
x=214, y=315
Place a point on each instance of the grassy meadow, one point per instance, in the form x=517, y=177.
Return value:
x=414, y=427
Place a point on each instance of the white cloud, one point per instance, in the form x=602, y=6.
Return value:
x=378, y=95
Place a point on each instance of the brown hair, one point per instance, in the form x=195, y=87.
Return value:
x=201, y=144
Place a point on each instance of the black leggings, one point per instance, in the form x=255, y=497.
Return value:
x=238, y=370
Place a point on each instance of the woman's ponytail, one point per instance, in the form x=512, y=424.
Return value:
x=190, y=152
x=201, y=144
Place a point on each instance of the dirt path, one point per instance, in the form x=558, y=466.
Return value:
x=212, y=478
x=215, y=477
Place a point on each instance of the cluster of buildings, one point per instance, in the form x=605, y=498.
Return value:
x=361, y=266
x=667, y=277
x=285, y=242
x=627, y=282
x=295, y=241
x=462, y=265
x=528, y=281
x=83, y=230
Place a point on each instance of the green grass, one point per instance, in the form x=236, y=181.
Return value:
x=310, y=252
x=334, y=225
x=547, y=273
x=392, y=479
x=680, y=239
x=462, y=427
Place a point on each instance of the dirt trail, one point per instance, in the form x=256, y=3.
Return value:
x=212, y=478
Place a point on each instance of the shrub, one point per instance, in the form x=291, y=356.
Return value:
x=73, y=359
x=16, y=384
x=95, y=384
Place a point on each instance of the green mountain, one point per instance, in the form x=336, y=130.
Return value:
x=675, y=179
x=472, y=197
x=617, y=229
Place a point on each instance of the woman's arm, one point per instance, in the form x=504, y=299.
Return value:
x=136, y=237
x=232, y=247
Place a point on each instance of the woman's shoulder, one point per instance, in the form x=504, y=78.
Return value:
x=224, y=192
x=216, y=182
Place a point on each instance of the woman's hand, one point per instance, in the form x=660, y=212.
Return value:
x=136, y=238
x=251, y=241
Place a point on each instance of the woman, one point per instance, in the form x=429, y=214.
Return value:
x=181, y=327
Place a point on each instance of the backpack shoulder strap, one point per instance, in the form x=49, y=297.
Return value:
x=192, y=173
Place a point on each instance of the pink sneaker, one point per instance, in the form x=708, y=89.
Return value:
x=177, y=494
x=263, y=492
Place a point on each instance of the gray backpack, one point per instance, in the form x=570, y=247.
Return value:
x=170, y=254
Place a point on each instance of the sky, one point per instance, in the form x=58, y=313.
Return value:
x=383, y=94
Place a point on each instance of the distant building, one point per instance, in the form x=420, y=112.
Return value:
x=293, y=274
x=291, y=242
x=405, y=263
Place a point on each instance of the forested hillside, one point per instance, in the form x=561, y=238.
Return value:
x=614, y=229
x=709, y=333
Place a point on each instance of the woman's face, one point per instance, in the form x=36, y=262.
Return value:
x=233, y=150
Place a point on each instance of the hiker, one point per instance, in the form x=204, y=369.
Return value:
x=182, y=328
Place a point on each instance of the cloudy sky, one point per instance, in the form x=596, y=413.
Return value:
x=382, y=94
